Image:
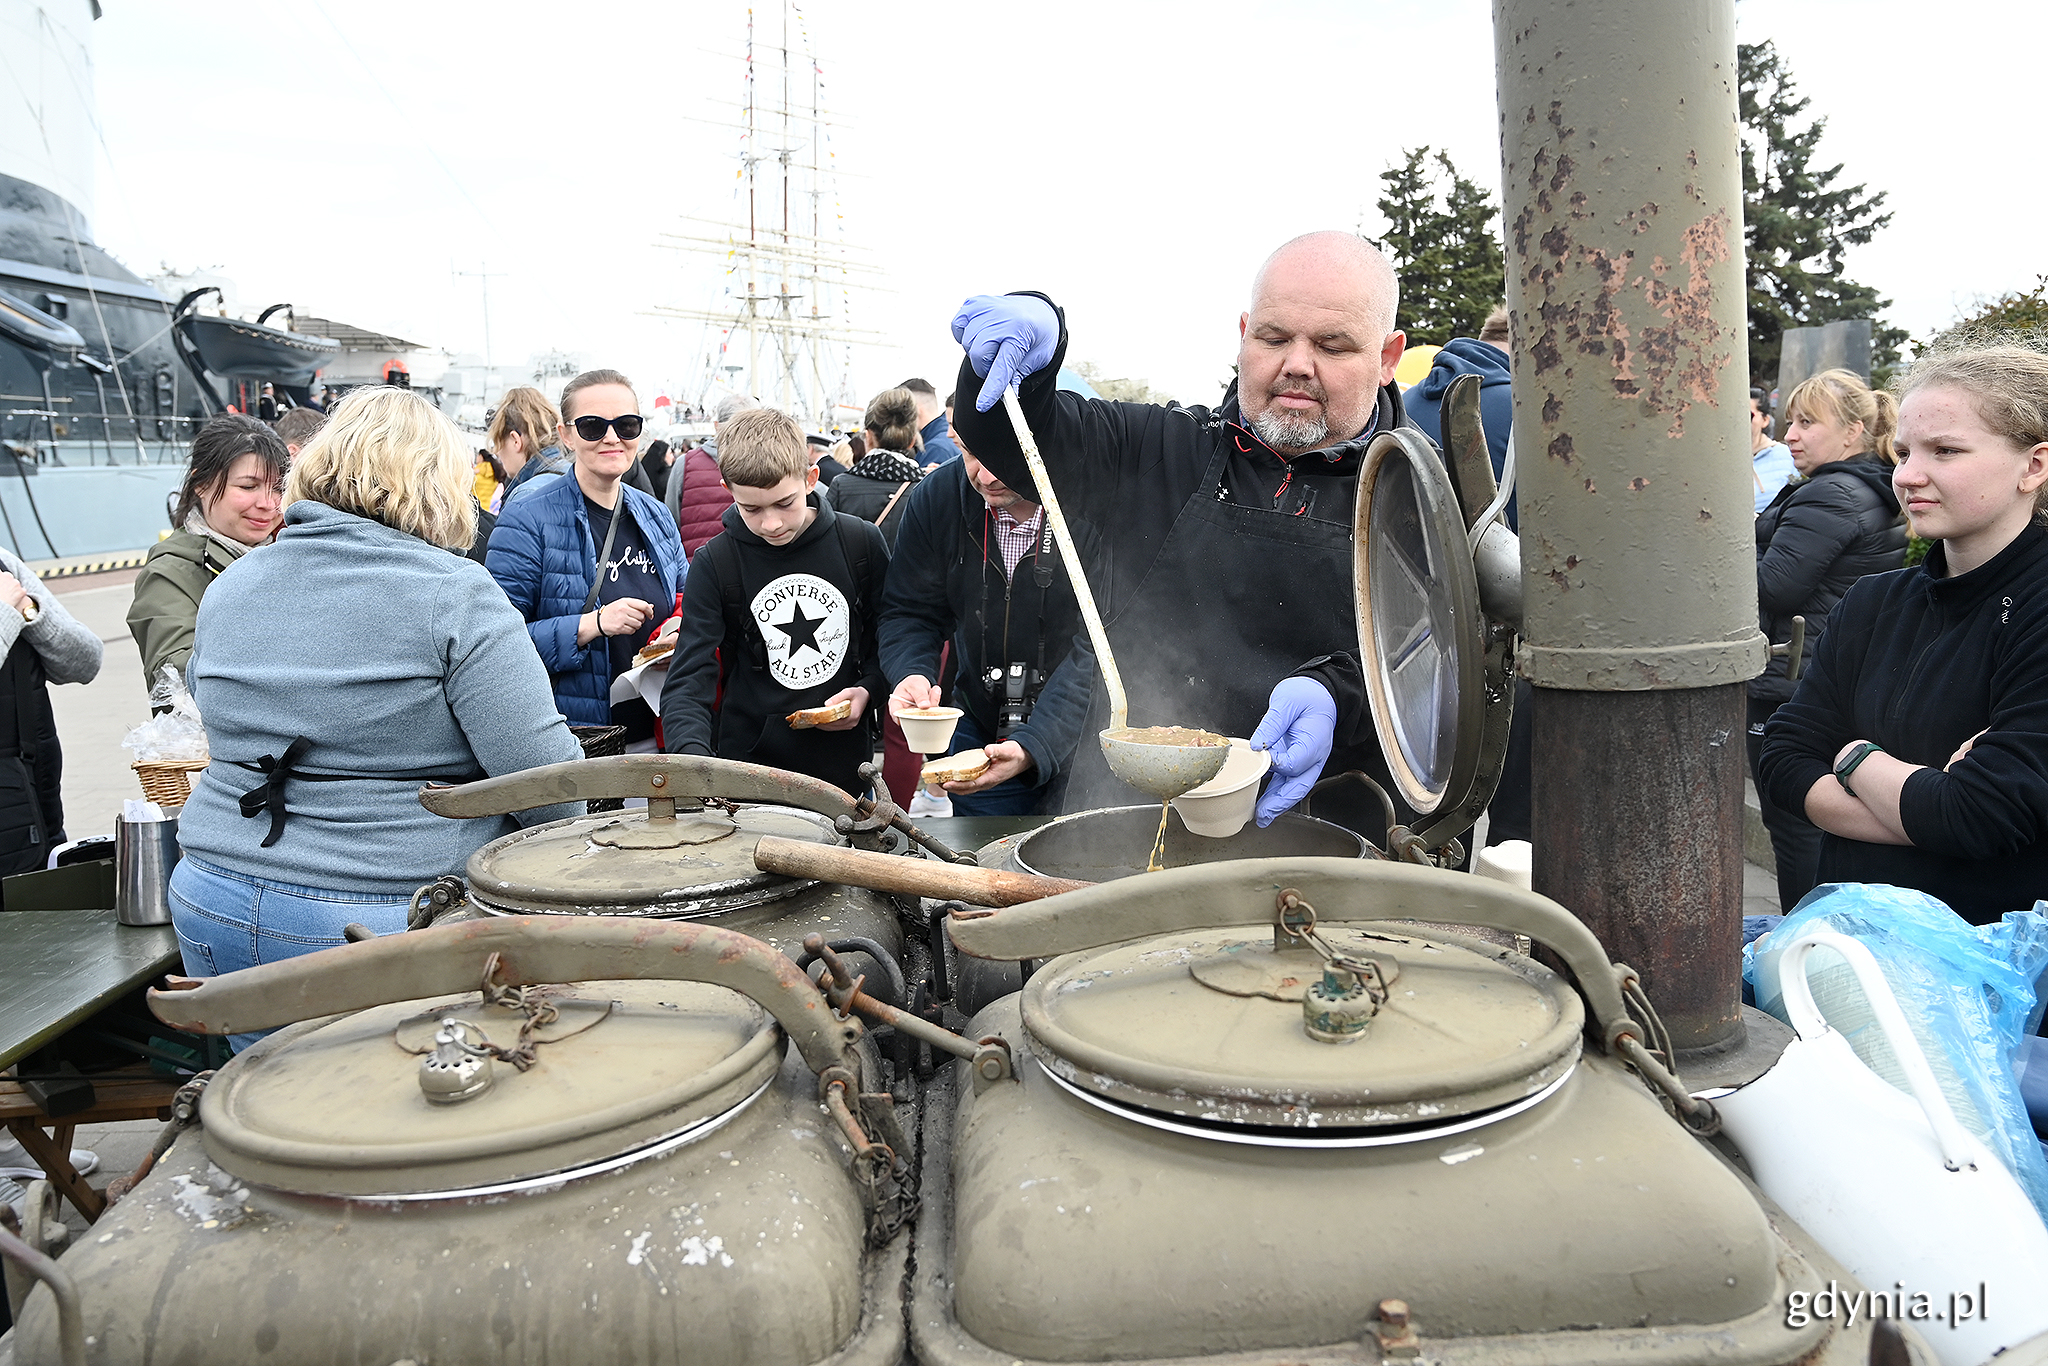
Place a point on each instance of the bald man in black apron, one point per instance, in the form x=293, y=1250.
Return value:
x=1224, y=576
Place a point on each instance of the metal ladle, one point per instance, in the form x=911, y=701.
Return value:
x=1163, y=771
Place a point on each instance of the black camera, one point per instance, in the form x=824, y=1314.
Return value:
x=1014, y=690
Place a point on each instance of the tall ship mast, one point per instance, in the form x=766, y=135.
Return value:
x=780, y=327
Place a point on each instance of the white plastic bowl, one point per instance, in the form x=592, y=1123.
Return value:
x=1510, y=861
x=929, y=730
x=1219, y=808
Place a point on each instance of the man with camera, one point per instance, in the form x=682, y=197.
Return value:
x=976, y=564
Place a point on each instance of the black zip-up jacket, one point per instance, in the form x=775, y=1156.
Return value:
x=1817, y=537
x=856, y=495
x=1135, y=465
x=946, y=579
x=1920, y=662
x=787, y=591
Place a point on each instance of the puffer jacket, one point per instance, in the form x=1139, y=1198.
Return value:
x=1817, y=537
x=545, y=558
x=698, y=498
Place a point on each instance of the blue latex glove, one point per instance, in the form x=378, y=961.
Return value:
x=1299, y=730
x=1006, y=337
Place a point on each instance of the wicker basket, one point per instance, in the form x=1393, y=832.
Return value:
x=168, y=784
x=601, y=742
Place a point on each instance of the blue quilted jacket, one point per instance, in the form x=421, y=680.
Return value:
x=544, y=557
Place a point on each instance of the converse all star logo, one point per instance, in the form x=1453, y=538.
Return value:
x=807, y=625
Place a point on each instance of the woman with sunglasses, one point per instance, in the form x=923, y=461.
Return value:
x=591, y=563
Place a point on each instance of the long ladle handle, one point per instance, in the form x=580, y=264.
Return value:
x=1112, y=681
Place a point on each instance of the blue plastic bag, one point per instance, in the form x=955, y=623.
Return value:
x=1968, y=992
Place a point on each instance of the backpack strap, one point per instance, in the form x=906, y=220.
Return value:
x=726, y=556
x=853, y=547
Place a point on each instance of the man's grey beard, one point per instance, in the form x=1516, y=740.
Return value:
x=1291, y=431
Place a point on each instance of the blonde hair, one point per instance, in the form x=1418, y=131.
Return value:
x=389, y=455
x=2007, y=385
x=892, y=417
x=525, y=410
x=761, y=447
x=1842, y=398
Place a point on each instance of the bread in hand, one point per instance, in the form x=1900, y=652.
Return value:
x=819, y=716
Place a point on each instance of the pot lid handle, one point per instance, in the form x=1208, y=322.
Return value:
x=531, y=950
x=650, y=776
x=1243, y=892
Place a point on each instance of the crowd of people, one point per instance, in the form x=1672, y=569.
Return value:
x=813, y=588
x=771, y=560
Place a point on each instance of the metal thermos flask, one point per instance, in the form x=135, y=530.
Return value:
x=144, y=854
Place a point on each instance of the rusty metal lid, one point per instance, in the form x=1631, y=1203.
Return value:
x=339, y=1106
x=1208, y=1025
x=621, y=863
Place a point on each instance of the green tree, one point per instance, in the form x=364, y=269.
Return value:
x=2016, y=314
x=1798, y=221
x=1443, y=247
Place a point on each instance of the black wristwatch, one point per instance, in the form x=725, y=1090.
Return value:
x=1851, y=760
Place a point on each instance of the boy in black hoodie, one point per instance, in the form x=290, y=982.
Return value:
x=779, y=615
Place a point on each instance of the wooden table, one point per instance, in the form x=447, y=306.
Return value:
x=132, y=1093
x=57, y=970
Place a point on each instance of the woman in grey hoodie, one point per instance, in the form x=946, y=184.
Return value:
x=351, y=662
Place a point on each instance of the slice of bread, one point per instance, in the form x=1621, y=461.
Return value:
x=818, y=716
x=963, y=767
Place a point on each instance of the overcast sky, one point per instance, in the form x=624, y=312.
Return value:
x=1133, y=161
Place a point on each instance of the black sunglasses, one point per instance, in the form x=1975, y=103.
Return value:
x=591, y=427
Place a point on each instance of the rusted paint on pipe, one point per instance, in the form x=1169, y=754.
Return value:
x=1623, y=198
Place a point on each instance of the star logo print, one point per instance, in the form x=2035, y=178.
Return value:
x=801, y=630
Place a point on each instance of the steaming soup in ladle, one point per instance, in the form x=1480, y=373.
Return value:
x=1163, y=761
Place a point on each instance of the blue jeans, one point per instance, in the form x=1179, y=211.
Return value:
x=1013, y=797
x=227, y=920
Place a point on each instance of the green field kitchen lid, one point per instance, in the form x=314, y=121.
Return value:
x=1210, y=1025
x=620, y=863
x=395, y=1101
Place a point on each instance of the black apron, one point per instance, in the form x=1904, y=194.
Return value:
x=1237, y=599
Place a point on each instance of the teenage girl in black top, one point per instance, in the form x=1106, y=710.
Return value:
x=1918, y=739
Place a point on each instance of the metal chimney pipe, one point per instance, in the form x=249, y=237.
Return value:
x=1622, y=197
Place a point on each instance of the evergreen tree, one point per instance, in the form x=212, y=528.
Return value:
x=1798, y=220
x=2016, y=316
x=1451, y=266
